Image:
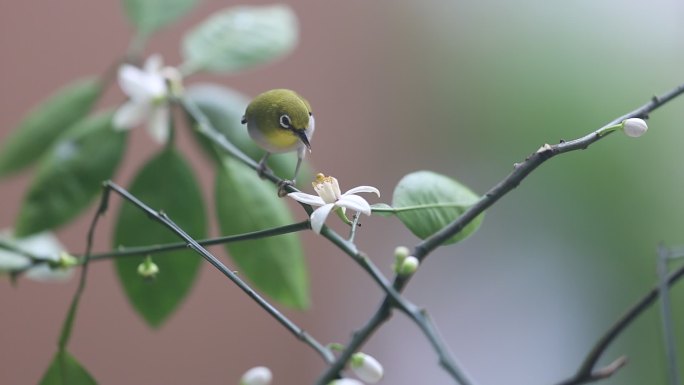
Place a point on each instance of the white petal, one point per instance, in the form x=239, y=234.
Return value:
x=44, y=245
x=153, y=64
x=140, y=85
x=12, y=261
x=356, y=203
x=308, y=199
x=45, y=274
x=158, y=124
x=132, y=82
x=319, y=216
x=130, y=114
x=156, y=86
x=359, y=189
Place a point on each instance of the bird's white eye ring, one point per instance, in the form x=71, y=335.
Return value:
x=285, y=121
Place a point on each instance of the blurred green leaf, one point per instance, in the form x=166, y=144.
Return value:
x=66, y=370
x=46, y=122
x=166, y=183
x=150, y=15
x=241, y=37
x=224, y=108
x=70, y=175
x=275, y=265
x=426, y=202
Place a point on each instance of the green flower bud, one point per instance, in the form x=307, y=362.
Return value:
x=400, y=253
x=408, y=266
x=148, y=269
x=66, y=260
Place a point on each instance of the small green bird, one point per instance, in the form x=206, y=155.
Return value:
x=279, y=121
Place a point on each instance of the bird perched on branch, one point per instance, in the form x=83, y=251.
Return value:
x=280, y=121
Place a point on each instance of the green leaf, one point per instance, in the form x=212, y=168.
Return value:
x=46, y=122
x=426, y=202
x=70, y=175
x=382, y=209
x=65, y=370
x=224, y=108
x=150, y=15
x=165, y=183
x=275, y=265
x=241, y=37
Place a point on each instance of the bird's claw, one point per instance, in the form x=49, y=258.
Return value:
x=261, y=171
x=283, y=186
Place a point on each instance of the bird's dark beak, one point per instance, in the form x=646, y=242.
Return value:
x=304, y=139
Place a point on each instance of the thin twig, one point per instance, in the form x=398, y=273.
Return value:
x=159, y=249
x=521, y=170
x=65, y=334
x=446, y=360
x=146, y=250
x=162, y=218
x=666, y=315
x=586, y=373
x=519, y=173
x=354, y=226
x=394, y=299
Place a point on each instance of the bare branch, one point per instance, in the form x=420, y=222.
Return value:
x=162, y=218
x=585, y=372
x=521, y=171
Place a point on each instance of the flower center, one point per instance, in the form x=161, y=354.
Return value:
x=327, y=188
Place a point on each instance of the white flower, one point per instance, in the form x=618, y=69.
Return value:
x=329, y=198
x=366, y=367
x=43, y=245
x=634, y=127
x=259, y=375
x=346, y=381
x=147, y=98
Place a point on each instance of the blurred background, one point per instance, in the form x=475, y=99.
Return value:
x=464, y=88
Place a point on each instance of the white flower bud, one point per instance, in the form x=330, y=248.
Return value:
x=366, y=367
x=634, y=127
x=408, y=266
x=259, y=375
x=346, y=381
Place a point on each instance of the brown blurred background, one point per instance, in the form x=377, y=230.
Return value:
x=464, y=88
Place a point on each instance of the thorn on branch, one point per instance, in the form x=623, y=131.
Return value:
x=545, y=148
x=545, y=151
x=610, y=369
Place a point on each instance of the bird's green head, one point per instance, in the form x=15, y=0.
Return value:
x=282, y=117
